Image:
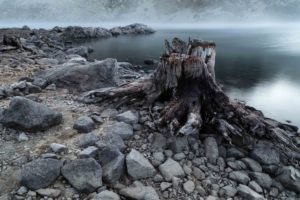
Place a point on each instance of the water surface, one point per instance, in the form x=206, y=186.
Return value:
x=260, y=66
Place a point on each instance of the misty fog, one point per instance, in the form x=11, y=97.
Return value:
x=169, y=12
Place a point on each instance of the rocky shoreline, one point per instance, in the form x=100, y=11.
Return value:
x=53, y=146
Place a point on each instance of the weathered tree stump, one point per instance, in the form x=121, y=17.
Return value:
x=185, y=79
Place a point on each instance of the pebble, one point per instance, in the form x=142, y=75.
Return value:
x=189, y=187
x=23, y=137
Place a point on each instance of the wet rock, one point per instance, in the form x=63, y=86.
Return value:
x=128, y=117
x=239, y=176
x=235, y=153
x=113, y=164
x=138, y=166
x=58, y=148
x=249, y=194
x=88, y=139
x=83, y=174
x=265, y=154
x=264, y=180
x=211, y=149
x=106, y=195
x=27, y=115
x=289, y=177
x=48, y=192
x=122, y=129
x=189, y=187
x=89, y=152
x=82, y=51
x=84, y=124
x=40, y=173
x=227, y=191
x=237, y=165
x=139, y=192
x=255, y=186
x=252, y=164
x=171, y=168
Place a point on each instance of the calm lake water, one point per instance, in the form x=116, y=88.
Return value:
x=260, y=66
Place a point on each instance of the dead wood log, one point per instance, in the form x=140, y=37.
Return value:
x=185, y=79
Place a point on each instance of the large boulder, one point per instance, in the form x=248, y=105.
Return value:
x=289, y=177
x=138, y=166
x=88, y=76
x=83, y=174
x=30, y=116
x=40, y=173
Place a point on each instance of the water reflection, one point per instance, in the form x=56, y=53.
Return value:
x=279, y=99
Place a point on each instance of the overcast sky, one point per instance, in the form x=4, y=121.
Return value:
x=152, y=11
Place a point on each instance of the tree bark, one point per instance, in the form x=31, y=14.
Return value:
x=185, y=79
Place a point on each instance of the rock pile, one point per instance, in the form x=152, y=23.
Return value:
x=156, y=166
